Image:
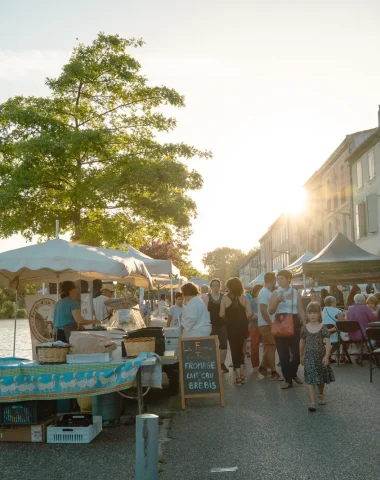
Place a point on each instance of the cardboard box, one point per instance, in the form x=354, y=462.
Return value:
x=25, y=433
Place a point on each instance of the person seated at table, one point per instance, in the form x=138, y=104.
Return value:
x=175, y=312
x=195, y=319
x=362, y=314
x=330, y=315
x=373, y=303
x=162, y=306
x=67, y=314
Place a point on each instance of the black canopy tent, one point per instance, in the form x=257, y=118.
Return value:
x=342, y=262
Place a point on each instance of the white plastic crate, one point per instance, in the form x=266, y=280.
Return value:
x=74, y=434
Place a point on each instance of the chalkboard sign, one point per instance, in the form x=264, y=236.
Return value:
x=199, y=368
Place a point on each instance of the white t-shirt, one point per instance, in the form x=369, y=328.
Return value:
x=101, y=311
x=196, y=319
x=162, y=308
x=176, y=313
x=263, y=299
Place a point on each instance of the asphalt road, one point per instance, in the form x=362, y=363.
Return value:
x=269, y=434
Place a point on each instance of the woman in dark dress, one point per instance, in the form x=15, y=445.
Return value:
x=237, y=311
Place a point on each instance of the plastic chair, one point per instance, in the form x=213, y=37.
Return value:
x=373, y=334
x=351, y=326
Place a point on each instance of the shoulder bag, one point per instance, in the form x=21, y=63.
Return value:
x=283, y=325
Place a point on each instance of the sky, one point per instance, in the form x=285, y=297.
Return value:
x=271, y=88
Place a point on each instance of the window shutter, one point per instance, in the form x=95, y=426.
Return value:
x=362, y=220
x=372, y=213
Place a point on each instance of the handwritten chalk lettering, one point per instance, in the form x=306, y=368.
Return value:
x=200, y=366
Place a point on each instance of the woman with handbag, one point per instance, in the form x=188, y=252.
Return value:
x=286, y=304
x=237, y=311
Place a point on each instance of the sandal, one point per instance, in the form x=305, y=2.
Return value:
x=298, y=380
x=321, y=400
x=237, y=381
x=242, y=378
x=276, y=376
x=262, y=371
x=312, y=407
x=286, y=386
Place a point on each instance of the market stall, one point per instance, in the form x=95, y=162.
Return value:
x=25, y=380
x=342, y=262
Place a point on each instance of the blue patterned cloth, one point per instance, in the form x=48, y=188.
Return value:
x=22, y=379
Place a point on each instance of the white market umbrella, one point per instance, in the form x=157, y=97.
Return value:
x=58, y=260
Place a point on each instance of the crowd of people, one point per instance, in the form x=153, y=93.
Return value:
x=273, y=315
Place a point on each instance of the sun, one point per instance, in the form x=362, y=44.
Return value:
x=295, y=202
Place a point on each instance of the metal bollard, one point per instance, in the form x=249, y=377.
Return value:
x=146, y=447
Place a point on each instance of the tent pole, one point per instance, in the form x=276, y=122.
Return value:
x=14, y=330
x=171, y=290
x=91, y=298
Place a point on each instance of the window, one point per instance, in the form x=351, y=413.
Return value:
x=361, y=220
x=342, y=175
x=328, y=197
x=335, y=202
x=371, y=164
x=343, y=197
x=330, y=232
x=359, y=174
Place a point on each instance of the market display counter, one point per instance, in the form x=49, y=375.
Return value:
x=22, y=380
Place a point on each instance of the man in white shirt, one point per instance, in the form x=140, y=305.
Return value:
x=268, y=362
x=102, y=312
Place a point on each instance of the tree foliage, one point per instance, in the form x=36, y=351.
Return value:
x=175, y=250
x=223, y=262
x=88, y=155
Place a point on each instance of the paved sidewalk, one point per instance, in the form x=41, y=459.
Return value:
x=269, y=434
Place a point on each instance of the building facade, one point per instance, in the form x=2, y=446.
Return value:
x=332, y=205
x=329, y=196
x=251, y=268
x=364, y=163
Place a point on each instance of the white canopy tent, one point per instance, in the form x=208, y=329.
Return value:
x=259, y=280
x=162, y=271
x=58, y=260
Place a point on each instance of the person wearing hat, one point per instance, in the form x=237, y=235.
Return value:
x=101, y=311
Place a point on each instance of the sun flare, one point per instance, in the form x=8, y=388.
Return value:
x=295, y=201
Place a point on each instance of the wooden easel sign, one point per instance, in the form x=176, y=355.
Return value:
x=199, y=368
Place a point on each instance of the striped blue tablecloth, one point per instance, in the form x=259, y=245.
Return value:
x=25, y=380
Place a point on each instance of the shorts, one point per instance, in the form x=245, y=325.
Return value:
x=221, y=331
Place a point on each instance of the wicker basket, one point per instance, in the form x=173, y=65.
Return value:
x=52, y=355
x=135, y=346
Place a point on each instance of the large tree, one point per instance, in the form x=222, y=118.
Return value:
x=223, y=262
x=88, y=155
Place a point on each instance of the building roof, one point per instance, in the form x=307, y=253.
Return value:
x=336, y=153
x=247, y=260
x=364, y=146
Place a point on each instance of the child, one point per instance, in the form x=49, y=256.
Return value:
x=314, y=355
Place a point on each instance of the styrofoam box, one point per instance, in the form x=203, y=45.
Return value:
x=74, y=434
x=89, y=358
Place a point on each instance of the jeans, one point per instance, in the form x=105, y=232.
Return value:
x=285, y=347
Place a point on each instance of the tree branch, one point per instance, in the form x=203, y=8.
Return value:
x=116, y=108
